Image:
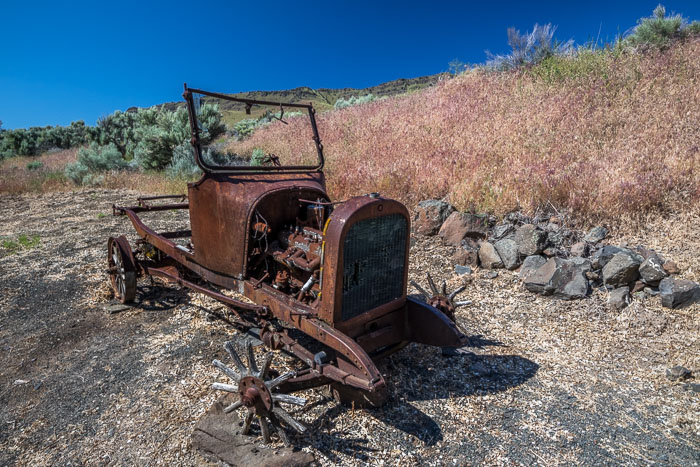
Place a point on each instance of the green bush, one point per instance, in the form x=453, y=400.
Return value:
x=119, y=130
x=244, y=128
x=212, y=124
x=530, y=48
x=35, y=140
x=258, y=157
x=660, y=30
x=343, y=103
x=182, y=164
x=93, y=161
x=34, y=165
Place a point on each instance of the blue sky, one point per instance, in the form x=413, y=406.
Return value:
x=83, y=60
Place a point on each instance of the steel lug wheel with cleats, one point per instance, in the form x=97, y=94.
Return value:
x=255, y=389
x=441, y=299
x=121, y=269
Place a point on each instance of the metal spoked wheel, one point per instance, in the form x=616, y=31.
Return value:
x=122, y=271
x=255, y=390
x=441, y=299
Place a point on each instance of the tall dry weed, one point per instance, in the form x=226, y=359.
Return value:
x=621, y=136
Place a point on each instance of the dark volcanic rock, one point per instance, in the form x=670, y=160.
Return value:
x=430, y=214
x=540, y=280
x=217, y=436
x=462, y=225
x=489, y=257
x=619, y=298
x=678, y=373
x=652, y=270
x=564, y=279
x=622, y=269
x=601, y=257
x=502, y=231
x=677, y=293
x=570, y=281
x=531, y=264
x=530, y=239
x=467, y=253
x=508, y=251
x=596, y=234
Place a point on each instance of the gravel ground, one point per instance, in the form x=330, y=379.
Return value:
x=547, y=382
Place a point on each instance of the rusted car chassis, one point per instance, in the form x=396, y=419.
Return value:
x=327, y=281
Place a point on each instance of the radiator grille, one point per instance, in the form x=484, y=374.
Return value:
x=373, y=263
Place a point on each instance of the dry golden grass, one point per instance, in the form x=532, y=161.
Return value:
x=16, y=177
x=617, y=136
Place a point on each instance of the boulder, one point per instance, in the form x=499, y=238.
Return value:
x=677, y=293
x=488, y=256
x=678, y=373
x=464, y=257
x=583, y=263
x=540, y=280
x=570, y=281
x=619, y=298
x=638, y=287
x=601, y=256
x=502, y=231
x=652, y=270
x=565, y=279
x=430, y=214
x=579, y=249
x=622, y=269
x=531, y=240
x=531, y=264
x=462, y=225
x=596, y=234
x=508, y=251
x=647, y=253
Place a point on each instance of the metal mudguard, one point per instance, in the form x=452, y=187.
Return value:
x=429, y=326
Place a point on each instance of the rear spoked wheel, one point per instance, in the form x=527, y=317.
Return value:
x=121, y=269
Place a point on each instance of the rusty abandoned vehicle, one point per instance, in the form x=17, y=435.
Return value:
x=327, y=280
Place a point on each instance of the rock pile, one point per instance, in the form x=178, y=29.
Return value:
x=554, y=260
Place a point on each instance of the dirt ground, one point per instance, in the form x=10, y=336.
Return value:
x=548, y=382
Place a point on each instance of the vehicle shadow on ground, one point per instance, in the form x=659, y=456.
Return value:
x=421, y=374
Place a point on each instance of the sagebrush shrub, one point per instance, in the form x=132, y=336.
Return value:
x=257, y=157
x=530, y=48
x=660, y=30
x=352, y=101
x=93, y=161
x=183, y=164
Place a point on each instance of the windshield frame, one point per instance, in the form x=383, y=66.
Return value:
x=208, y=168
